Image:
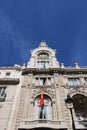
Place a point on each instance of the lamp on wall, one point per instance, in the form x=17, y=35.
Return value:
x=69, y=104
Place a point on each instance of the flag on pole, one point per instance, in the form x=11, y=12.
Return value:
x=42, y=99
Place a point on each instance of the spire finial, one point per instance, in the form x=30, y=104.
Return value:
x=43, y=44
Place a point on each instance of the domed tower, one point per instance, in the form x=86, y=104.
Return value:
x=43, y=102
x=43, y=57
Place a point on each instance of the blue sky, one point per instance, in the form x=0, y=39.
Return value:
x=25, y=23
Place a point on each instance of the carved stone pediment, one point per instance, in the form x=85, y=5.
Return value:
x=47, y=91
x=77, y=89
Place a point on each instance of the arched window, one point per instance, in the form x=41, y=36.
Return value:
x=43, y=55
x=45, y=111
x=43, y=60
x=80, y=106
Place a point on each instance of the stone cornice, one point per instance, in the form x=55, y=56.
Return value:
x=9, y=80
x=54, y=70
x=10, y=68
x=76, y=71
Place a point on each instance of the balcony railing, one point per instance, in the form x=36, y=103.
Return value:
x=80, y=124
x=26, y=124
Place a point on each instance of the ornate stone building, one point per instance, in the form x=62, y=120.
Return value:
x=21, y=88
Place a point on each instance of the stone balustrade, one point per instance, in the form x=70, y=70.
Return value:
x=42, y=123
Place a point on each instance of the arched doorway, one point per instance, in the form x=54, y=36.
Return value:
x=80, y=106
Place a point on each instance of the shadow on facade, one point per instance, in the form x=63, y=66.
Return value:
x=43, y=129
x=80, y=106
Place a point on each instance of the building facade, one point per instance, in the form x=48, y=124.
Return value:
x=63, y=91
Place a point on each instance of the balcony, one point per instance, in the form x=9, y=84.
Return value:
x=46, y=124
x=80, y=124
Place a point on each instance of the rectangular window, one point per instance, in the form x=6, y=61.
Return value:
x=41, y=64
x=47, y=64
x=42, y=81
x=49, y=81
x=2, y=94
x=85, y=81
x=7, y=74
x=2, y=91
x=37, y=81
x=74, y=81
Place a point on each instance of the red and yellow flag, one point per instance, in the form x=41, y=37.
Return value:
x=42, y=99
